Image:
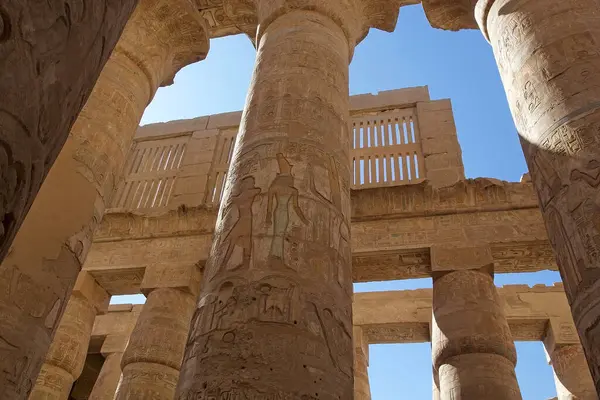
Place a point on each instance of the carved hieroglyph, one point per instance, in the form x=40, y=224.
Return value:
x=274, y=317
x=153, y=356
x=548, y=54
x=51, y=54
x=549, y=60
x=52, y=244
x=473, y=351
x=66, y=356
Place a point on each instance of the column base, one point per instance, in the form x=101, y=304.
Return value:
x=478, y=376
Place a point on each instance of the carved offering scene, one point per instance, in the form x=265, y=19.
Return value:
x=299, y=199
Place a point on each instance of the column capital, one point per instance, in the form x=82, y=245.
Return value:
x=164, y=36
x=457, y=258
x=183, y=277
x=452, y=15
x=354, y=17
x=87, y=288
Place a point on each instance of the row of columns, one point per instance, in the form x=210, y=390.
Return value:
x=161, y=37
x=295, y=120
x=468, y=331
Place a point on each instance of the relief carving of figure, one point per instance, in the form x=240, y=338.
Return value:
x=283, y=193
x=240, y=234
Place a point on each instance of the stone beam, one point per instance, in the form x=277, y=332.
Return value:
x=127, y=243
x=405, y=316
x=393, y=229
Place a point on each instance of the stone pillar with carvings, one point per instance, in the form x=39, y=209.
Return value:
x=274, y=317
x=565, y=354
x=362, y=389
x=66, y=357
x=473, y=351
x=51, y=57
x=153, y=356
x=51, y=246
x=548, y=56
x=110, y=374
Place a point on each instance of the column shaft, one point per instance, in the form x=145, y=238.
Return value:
x=362, y=388
x=549, y=59
x=66, y=356
x=153, y=356
x=473, y=351
x=51, y=246
x=571, y=373
x=106, y=385
x=51, y=58
x=274, y=318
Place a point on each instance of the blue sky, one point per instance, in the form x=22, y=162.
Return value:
x=455, y=65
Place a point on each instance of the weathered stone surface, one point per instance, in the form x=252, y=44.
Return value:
x=362, y=389
x=53, y=242
x=66, y=356
x=547, y=54
x=278, y=281
x=571, y=373
x=473, y=351
x=51, y=57
x=405, y=316
x=153, y=356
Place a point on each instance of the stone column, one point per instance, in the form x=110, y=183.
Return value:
x=435, y=386
x=37, y=276
x=548, y=56
x=274, y=318
x=473, y=351
x=153, y=356
x=52, y=55
x=565, y=354
x=362, y=389
x=108, y=380
x=66, y=357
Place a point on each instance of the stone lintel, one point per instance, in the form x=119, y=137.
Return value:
x=452, y=258
x=405, y=316
x=114, y=344
x=87, y=287
x=559, y=332
x=183, y=277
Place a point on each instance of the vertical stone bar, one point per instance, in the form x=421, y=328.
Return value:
x=52, y=54
x=548, y=54
x=37, y=276
x=362, y=389
x=153, y=356
x=565, y=354
x=66, y=357
x=108, y=380
x=274, y=317
x=473, y=351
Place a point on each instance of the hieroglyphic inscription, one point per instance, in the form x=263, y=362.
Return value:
x=549, y=61
x=274, y=318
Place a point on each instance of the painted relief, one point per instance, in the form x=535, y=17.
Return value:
x=240, y=235
x=282, y=198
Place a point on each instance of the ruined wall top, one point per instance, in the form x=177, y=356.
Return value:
x=398, y=137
